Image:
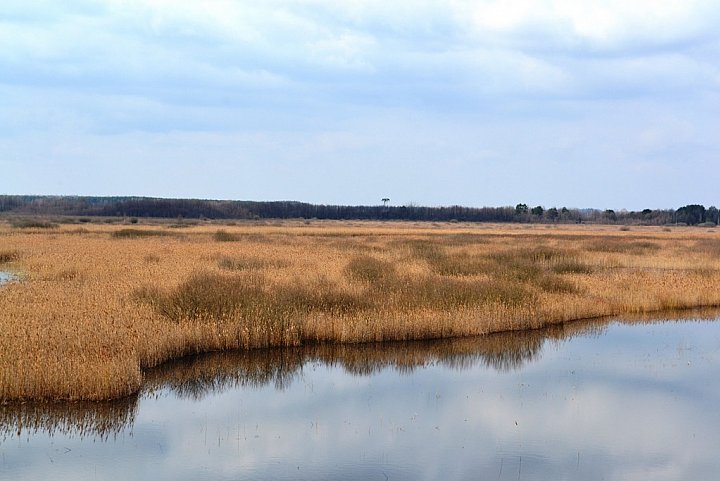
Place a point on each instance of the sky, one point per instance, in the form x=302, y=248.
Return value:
x=602, y=104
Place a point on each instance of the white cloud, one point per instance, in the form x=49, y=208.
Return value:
x=344, y=51
x=557, y=83
x=602, y=23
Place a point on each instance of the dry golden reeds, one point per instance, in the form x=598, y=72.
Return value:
x=95, y=308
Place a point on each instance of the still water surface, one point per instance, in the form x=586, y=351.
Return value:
x=594, y=401
x=5, y=277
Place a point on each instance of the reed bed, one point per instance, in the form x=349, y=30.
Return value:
x=96, y=308
x=196, y=377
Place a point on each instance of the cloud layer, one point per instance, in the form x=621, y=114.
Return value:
x=603, y=104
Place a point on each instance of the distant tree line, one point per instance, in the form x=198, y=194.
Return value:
x=692, y=214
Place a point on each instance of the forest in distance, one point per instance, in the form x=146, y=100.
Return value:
x=692, y=214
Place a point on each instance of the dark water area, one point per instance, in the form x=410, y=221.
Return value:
x=611, y=400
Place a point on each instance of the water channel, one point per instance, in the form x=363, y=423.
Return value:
x=602, y=400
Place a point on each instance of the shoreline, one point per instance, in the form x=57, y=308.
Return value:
x=705, y=313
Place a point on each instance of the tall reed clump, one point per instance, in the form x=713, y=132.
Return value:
x=261, y=314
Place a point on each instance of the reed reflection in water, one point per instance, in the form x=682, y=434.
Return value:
x=199, y=376
x=80, y=419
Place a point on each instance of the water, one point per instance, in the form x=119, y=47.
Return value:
x=5, y=277
x=610, y=401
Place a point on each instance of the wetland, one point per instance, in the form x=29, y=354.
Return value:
x=100, y=305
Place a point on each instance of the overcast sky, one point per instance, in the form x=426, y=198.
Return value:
x=606, y=104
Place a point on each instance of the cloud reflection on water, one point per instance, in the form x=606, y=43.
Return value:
x=618, y=402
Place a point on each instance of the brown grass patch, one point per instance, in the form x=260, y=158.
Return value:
x=9, y=256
